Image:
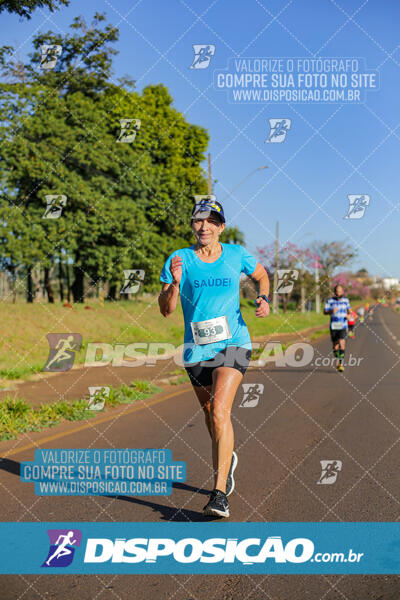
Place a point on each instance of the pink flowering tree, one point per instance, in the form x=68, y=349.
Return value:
x=303, y=259
x=290, y=256
x=353, y=286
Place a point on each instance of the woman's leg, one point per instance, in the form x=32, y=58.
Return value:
x=204, y=397
x=226, y=381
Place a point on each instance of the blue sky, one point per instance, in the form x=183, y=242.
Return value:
x=330, y=151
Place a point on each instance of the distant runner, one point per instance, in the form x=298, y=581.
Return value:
x=351, y=321
x=369, y=311
x=338, y=307
x=217, y=346
x=361, y=313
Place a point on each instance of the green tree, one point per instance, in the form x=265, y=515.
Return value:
x=159, y=173
x=51, y=130
x=128, y=205
x=232, y=235
x=25, y=7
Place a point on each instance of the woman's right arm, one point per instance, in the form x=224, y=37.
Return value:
x=168, y=297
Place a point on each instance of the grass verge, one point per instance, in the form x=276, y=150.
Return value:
x=182, y=379
x=20, y=372
x=17, y=416
x=24, y=348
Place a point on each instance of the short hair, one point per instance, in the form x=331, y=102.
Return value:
x=336, y=287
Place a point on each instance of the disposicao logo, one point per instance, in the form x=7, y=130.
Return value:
x=62, y=547
x=191, y=550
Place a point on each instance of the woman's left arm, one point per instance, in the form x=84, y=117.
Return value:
x=260, y=275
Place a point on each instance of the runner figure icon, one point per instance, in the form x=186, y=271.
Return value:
x=63, y=348
x=278, y=130
x=357, y=206
x=202, y=55
x=133, y=279
x=251, y=394
x=286, y=279
x=330, y=470
x=62, y=549
x=55, y=206
x=63, y=545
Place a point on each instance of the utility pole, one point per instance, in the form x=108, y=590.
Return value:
x=209, y=175
x=302, y=287
x=275, y=294
x=18, y=69
x=317, y=297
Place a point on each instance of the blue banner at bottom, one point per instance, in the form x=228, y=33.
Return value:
x=208, y=547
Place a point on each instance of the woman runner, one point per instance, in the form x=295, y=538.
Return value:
x=217, y=346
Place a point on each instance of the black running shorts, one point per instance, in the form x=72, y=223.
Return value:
x=338, y=334
x=236, y=357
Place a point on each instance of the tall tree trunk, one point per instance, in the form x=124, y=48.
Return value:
x=13, y=286
x=47, y=285
x=61, y=278
x=112, y=292
x=36, y=282
x=77, y=286
x=69, y=293
x=29, y=291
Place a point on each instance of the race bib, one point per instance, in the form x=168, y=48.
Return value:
x=210, y=331
x=337, y=325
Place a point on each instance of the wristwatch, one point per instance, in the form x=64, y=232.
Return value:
x=264, y=297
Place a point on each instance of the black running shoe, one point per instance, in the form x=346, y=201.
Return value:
x=230, y=482
x=217, y=506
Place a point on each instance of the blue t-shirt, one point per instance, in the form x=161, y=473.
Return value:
x=210, y=290
x=340, y=316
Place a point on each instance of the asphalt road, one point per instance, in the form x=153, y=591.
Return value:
x=305, y=415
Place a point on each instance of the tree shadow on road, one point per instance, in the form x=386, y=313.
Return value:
x=9, y=465
x=168, y=513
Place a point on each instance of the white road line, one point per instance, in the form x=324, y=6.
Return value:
x=388, y=331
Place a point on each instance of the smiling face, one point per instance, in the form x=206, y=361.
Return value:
x=207, y=231
x=339, y=291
